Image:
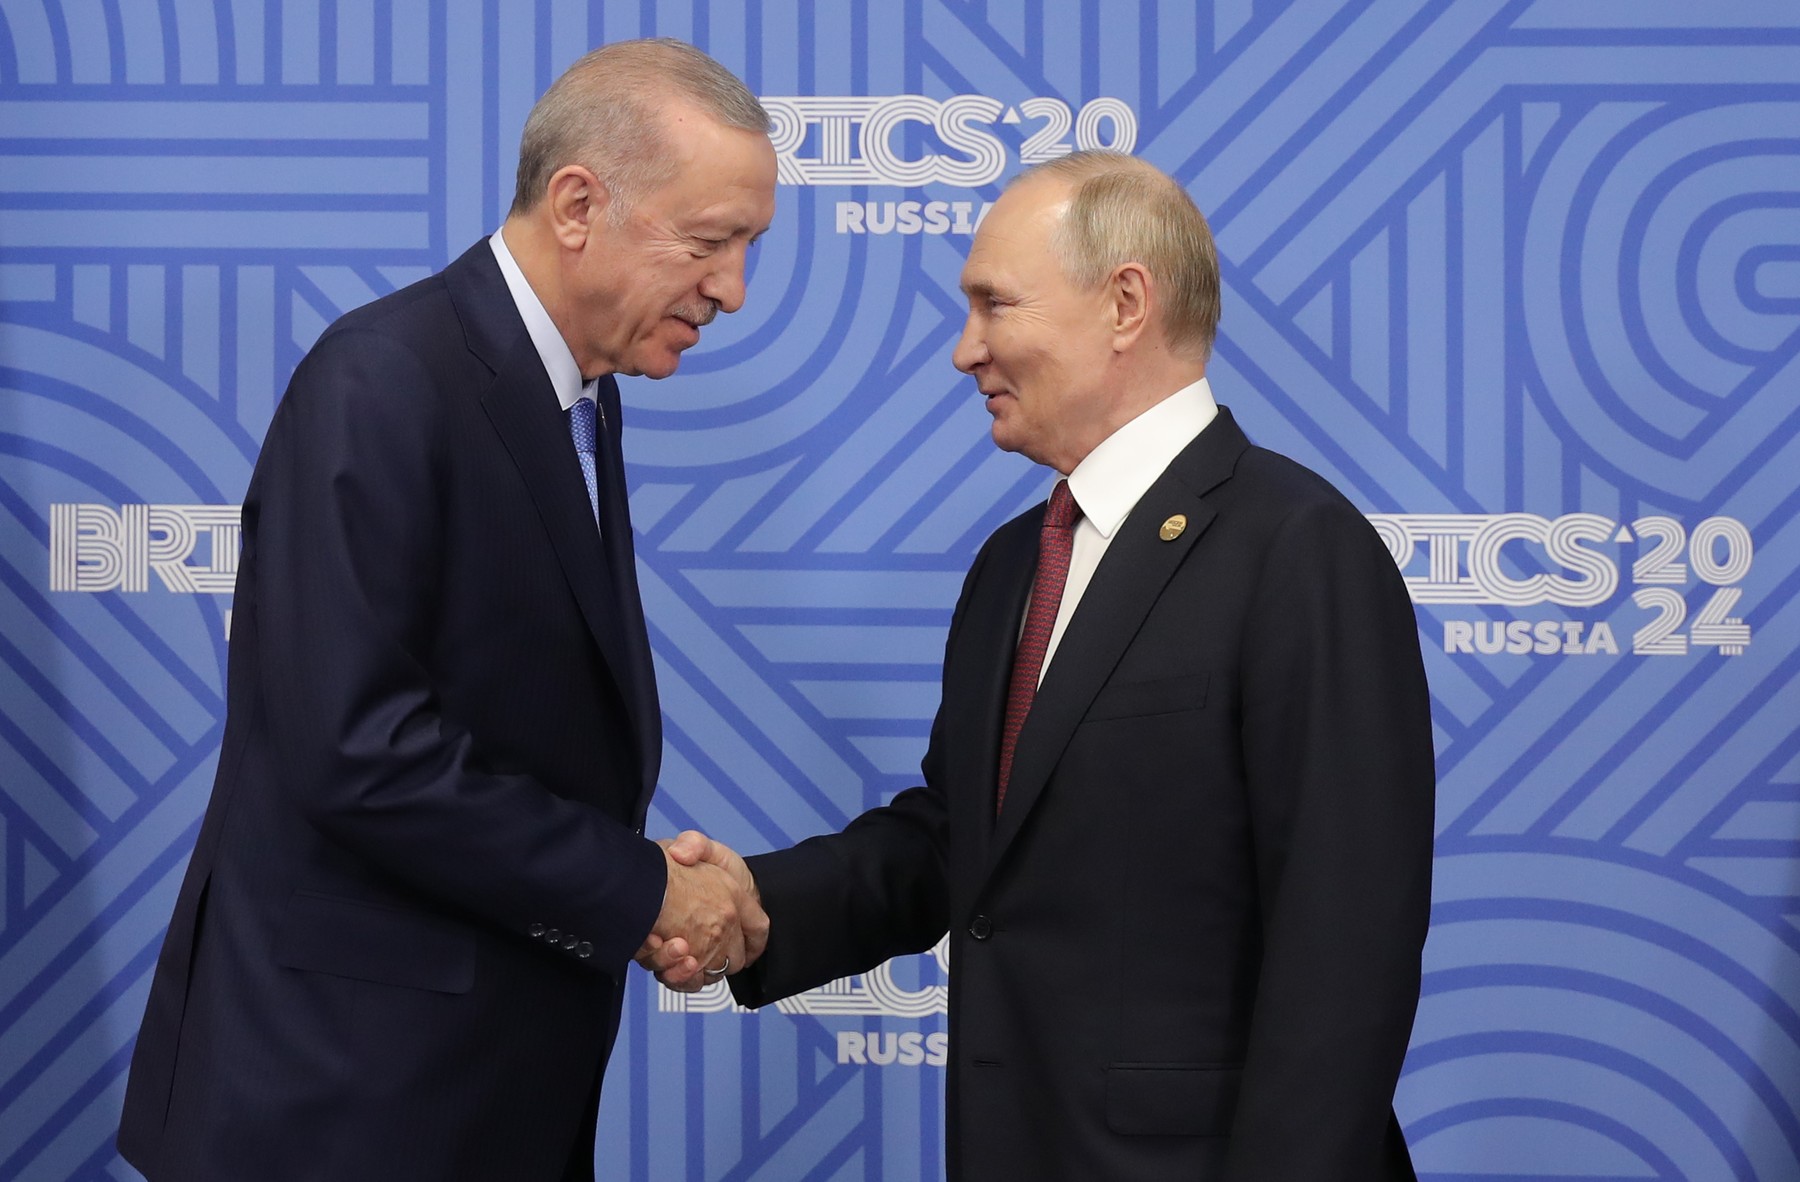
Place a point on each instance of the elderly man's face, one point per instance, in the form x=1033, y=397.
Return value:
x=646, y=287
x=1036, y=345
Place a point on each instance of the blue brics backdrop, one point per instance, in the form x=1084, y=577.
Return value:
x=1522, y=278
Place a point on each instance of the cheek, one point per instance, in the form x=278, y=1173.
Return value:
x=1033, y=362
x=682, y=279
x=648, y=313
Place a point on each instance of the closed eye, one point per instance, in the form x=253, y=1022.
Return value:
x=983, y=298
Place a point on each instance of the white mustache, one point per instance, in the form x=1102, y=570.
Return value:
x=699, y=315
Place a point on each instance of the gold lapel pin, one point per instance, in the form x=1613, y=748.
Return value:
x=1171, y=529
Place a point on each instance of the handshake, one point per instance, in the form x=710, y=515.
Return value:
x=712, y=922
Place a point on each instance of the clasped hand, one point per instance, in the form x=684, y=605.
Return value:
x=712, y=921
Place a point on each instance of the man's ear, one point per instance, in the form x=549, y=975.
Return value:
x=1128, y=293
x=577, y=201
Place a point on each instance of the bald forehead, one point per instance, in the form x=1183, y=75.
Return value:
x=1019, y=225
x=1039, y=198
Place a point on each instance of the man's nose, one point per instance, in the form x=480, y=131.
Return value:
x=971, y=348
x=725, y=285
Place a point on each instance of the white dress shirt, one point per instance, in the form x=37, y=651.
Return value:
x=1112, y=479
x=559, y=362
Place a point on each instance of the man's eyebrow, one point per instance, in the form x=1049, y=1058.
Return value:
x=979, y=287
x=722, y=227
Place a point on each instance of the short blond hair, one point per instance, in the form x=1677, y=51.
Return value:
x=606, y=113
x=1126, y=210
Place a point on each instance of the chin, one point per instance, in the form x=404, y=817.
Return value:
x=659, y=369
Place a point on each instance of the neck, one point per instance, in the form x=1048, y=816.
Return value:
x=540, y=260
x=1141, y=383
x=1157, y=375
x=1145, y=379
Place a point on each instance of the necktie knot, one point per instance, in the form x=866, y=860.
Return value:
x=582, y=419
x=1062, y=510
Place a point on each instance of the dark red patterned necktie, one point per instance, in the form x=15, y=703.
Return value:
x=1055, y=542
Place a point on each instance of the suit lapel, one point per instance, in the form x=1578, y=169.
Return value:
x=521, y=405
x=1126, y=585
x=621, y=559
x=983, y=669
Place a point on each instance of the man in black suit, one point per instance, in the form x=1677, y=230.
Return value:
x=402, y=942
x=1177, y=809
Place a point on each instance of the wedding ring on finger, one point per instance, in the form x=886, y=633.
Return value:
x=715, y=974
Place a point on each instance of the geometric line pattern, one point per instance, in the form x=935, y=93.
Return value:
x=1492, y=257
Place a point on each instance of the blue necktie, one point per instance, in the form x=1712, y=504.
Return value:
x=582, y=417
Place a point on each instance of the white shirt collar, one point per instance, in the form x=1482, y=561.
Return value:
x=559, y=362
x=1112, y=479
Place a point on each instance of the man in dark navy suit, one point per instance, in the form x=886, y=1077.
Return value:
x=1177, y=806
x=402, y=942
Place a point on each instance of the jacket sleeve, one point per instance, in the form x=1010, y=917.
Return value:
x=846, y=902
x=344, y=529
x=1339, y=766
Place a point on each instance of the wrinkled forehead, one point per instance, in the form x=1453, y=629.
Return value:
x=726, y=179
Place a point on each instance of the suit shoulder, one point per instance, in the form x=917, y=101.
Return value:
x=405, y=346
x=1011, y=540
x=1291, y=507
x=1027, y=523
x=1304, y=523
x=415, y=314
x=389, y=367
x=1286, y=486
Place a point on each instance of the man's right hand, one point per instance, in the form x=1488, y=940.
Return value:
x=711, y=920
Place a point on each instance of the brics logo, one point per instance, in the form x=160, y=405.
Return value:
x=849, y=139
x=191, y=549
x=911, y=987
x=963, y=141
x=1576, y=561
x=878, y=993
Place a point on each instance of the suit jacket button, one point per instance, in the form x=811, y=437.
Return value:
x=553, y=935
x=536, y=930
x=981, y=928
x=584, y=950
x=569, y=942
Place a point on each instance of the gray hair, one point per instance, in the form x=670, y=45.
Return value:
x=606, y=114
x=1126, y=210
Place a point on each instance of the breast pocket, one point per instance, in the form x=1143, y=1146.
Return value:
x=371, y=942
x=1157, y=695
